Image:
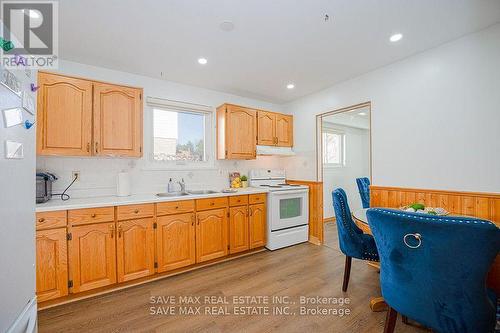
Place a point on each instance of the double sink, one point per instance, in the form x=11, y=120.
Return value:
x=181, y=194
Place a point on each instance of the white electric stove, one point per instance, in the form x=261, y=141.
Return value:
x=287, y=208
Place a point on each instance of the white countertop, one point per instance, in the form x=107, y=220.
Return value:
x=78, y=203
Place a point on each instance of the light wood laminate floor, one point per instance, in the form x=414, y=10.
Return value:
x=301, y=270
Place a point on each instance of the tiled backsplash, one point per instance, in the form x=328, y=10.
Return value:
x=98, y=175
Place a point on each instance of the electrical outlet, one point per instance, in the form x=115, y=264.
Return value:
x=75, y=174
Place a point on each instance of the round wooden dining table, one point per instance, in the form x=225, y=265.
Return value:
x=359, y=217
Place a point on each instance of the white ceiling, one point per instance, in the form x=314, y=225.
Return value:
x=274, y=41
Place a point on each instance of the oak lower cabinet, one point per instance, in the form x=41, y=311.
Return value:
x=211, y=234
x=257, y=225
x=175, y=241
x=92, y=256
x=51, y=264
x=135, y=246
x=238, y=229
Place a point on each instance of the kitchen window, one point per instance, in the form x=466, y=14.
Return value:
x=181, y=136
x=333, y=148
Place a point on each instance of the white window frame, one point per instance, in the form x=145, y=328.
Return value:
x=153, y=103
x=342, y=147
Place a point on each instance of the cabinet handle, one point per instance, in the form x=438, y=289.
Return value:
x=41, y=220
x=112, y=230
x=93, y=215
x=198, y=220
x=96, y=147
x=119, y=231
x=212, y=203
x=176, y=207
x=192, y=220
x=88, y=147
x=251, y=212
x=136, y=211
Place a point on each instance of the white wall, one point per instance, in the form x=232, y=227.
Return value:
x=98, y=175
x=357, y=164
x=435, y=117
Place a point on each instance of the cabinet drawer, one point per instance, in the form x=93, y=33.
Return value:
x=134, y=211
x=175, y=207
x=238, y=200
x=257, y=198
x=49, y=220
x=91, y=215
x=211, y=203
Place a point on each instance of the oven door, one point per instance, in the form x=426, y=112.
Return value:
x=288, y=209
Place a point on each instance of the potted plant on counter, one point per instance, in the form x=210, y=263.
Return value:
x=244, y=181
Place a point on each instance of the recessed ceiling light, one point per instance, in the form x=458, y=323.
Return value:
x=227, y=26
x=202, y=61
x=290, y=86
x=396, y=37
x=362, y=113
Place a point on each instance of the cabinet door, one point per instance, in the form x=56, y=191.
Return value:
x=257, y=225
x=135, y=249
x=92, y=256
x=284, y=130
x=238, y=229
x=175, y=241
x=211, y=234
x=266, y=126
x=117, y=120
x=64, y=116
x=51, y=264
x=241, y=132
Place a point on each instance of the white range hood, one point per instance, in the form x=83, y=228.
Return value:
x=276, y=151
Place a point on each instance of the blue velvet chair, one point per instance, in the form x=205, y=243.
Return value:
x=433, y=269
x=364, y=191
x=353, y=242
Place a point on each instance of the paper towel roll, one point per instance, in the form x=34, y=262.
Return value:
x=123, y=184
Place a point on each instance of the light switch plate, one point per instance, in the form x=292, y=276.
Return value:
x=12, y=117
x=14, y=150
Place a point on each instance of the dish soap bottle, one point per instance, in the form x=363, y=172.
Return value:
x=170, y=187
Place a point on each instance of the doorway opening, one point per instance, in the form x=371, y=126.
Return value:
x=343, y=155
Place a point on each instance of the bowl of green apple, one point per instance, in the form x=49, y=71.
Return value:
x=422, y=209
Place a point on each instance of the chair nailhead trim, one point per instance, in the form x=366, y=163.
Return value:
x=432, y=218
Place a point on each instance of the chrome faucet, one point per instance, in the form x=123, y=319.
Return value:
x=183, y=185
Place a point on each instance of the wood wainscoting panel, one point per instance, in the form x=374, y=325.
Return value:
x=315, y=209
x=476, y=204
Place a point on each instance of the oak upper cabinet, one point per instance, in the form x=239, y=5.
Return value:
x=211, y=234
x=92, y=256
x=236, y=132
x=51, y=264
x=64, y=115
x=238, y=229
x=257, y=225
x=135, y=249
x=79, y=117
x=274, y=129
x=117, y=120
x=284, y=130
x=175, y=241
x=266, y=127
